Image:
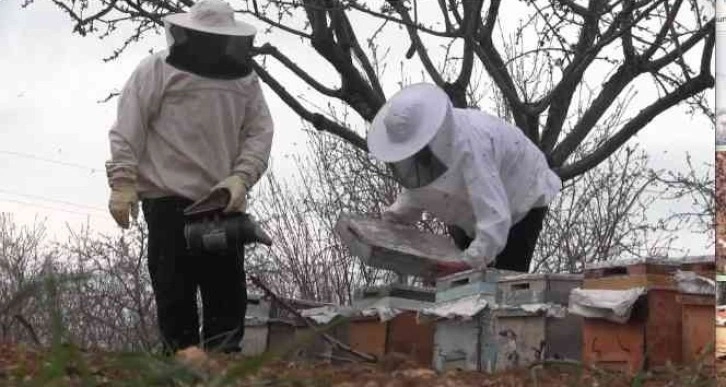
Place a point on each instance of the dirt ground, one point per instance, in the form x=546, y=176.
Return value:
x=21, y=366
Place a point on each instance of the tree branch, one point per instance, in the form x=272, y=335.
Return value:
x=610, y=91
x=445, y=13
x=407, y=23
x=472, y=14
x=666, y=59
x=455, y=11
x=276, y=24
x=576, y=8
x=492, y=60
x=317, y=120
x=661, y=35
x=268, y=49
x=356, y=91
x=561, y=96
x=365, y=62
x=685, y=91
x=417, y=43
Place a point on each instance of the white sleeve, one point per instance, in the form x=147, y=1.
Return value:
x=128, y=134
x=405, y=208
x=255, y=138
x=489, y=201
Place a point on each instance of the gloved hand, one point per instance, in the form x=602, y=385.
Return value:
x=393, y=217
x=446, y=268
x=237, y=189
x=471, y=257
x=123, y=202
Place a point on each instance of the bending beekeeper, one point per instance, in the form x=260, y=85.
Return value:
x=481, y=176
x=191, y=119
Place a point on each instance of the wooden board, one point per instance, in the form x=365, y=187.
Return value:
x=699, y=334
x=254, y=341
x=720, y=341
x=368, y=335
x=522, y=341
x=630, y=281
x=403, y=249
x=664, y=328
x=411, y=338
x=613, y=346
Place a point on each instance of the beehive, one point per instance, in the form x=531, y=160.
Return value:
x=402, y=333
x=466, y=343
x=652, y=336
x=531, y=323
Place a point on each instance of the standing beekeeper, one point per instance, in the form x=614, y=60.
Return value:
x=191, y=119
x=468, y=168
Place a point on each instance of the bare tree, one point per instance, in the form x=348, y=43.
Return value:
x=22, y=258
x=113, y=307
x=92, y=290
x=308, y=260
x=557, y=48
x=603, y=214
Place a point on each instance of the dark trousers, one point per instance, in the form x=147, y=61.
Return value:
x=522, y=239
x=176, y=274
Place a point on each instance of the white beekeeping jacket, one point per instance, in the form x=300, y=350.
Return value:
x=178, y=133
x=495, y=176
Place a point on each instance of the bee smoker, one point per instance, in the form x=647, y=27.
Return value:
x=209, y=229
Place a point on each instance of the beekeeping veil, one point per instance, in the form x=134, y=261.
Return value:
x=209, y=41
x=412, y=133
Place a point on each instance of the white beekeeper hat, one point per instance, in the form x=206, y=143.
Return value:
x=214, y=17
x=408, y=122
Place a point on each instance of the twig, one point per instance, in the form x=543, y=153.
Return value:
x=327, y=337
x=29, y=328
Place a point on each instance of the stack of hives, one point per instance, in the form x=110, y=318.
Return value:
x=496, y=320
x=532, y=322
x=644, y=314
x=464, y=326
x=385, y=321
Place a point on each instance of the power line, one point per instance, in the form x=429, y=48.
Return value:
x=43, y=198
x=87, y=214
x=47, y=160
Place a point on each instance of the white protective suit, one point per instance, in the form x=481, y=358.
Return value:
x=180, y=134
x=495, y=176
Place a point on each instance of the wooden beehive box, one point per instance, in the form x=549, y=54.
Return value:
x=403, y=249
x=470, y=282
x=254, y=341
x=403, y=333
x=698, y=322
x=522, y=289
x=653, y=335
x=531, y=323
x=465, y=344
x=704, y=266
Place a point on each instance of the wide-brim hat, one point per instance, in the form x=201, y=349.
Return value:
x=408, y=122
x=214, y=17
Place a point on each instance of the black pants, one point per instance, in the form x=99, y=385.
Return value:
x=522, y=239
x=176, y=274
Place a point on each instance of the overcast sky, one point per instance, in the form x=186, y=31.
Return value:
x=52, y=81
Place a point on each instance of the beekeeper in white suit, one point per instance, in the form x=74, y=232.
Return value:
x=468, y=168
x=191, y=119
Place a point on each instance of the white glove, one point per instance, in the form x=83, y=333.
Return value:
x=393, y=217
x=472, y=257
x=237, y=190
x=123, y=202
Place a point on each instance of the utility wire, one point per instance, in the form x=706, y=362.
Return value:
x=47, y=160
x=51, y=208
x=43, y=198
